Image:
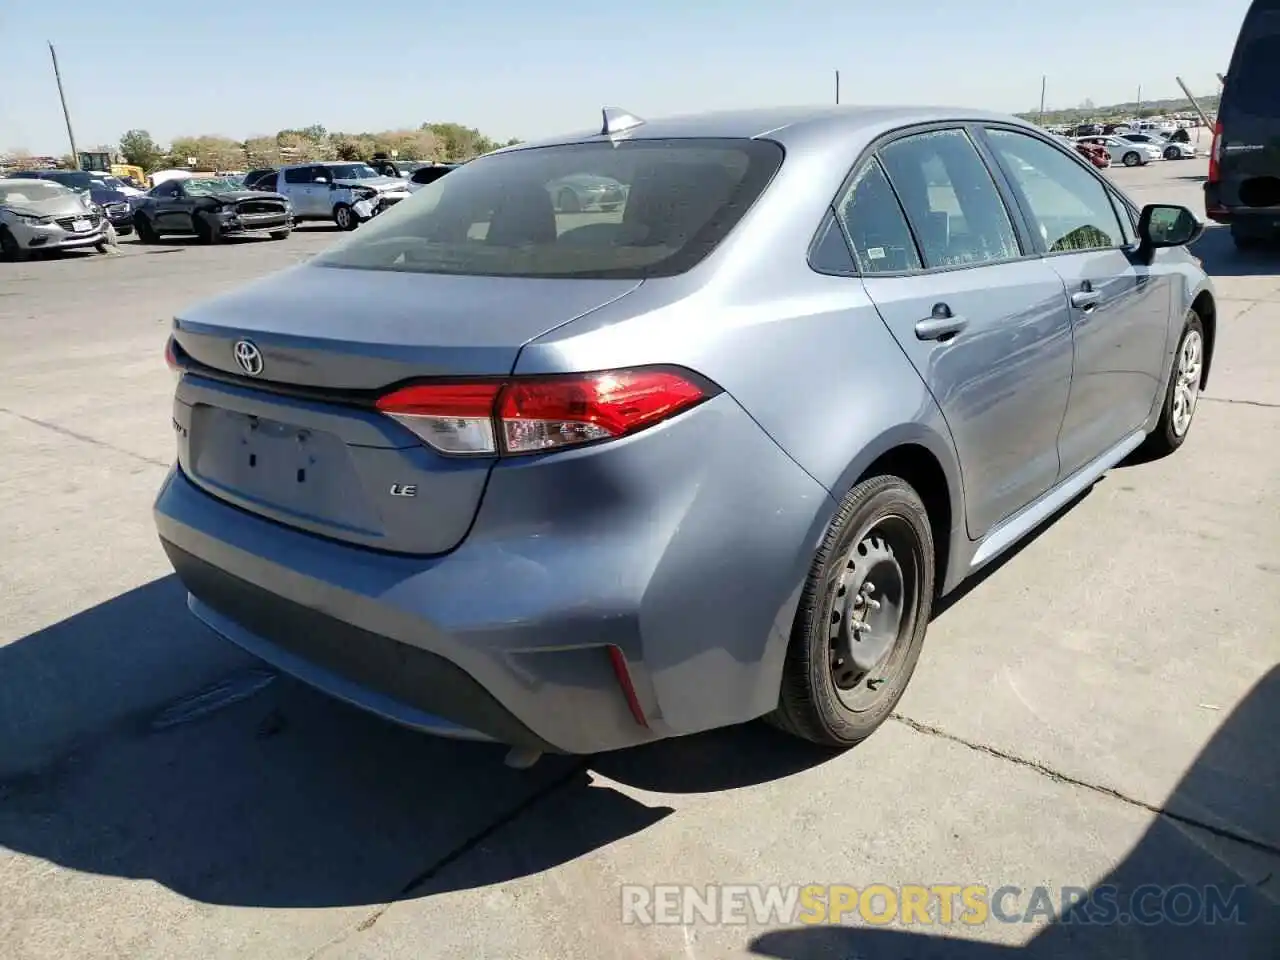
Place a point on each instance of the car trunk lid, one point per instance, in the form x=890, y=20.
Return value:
x=300, y=441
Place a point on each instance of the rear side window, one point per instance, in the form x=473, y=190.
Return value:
x=266, y=182
x=1068, y=206
x=299, y=175
x=877, y=229
x=635, y=209
x=950, y=199
x=1255, y=78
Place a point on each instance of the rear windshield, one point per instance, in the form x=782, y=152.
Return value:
x=640, y=208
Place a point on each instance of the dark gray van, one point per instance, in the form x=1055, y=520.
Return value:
x=1243, y=188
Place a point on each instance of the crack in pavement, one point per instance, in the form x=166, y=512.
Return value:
x=1265, y=404
x=83, y=438
x=1059, y=777
x=459, y=851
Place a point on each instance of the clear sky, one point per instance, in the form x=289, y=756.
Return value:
x=524, y=68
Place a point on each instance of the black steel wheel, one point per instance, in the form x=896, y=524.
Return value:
x=862, y=617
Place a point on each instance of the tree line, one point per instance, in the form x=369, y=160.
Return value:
x=431, y=141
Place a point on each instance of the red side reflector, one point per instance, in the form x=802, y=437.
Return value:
x=620, y=670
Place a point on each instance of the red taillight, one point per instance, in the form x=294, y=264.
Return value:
x=171, y=358
x=454, y=418
x=525, y=415
x=560, y=412
x=1215, y=152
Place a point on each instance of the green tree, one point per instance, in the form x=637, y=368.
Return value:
x=458, y=142
x=137, y=148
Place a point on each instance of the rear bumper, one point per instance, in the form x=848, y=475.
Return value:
x=680, y=551
x=1261, y=219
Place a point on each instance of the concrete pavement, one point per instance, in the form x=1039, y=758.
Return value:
x=1099, y=712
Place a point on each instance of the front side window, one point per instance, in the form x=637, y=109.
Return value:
x=1068, y=206
x=877, y=228
x=950, y=199
x=634, y=209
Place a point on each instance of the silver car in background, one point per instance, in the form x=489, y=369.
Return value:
x=38, y=215
x=1124, y=151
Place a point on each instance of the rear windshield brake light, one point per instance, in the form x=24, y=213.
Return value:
x=531, y=414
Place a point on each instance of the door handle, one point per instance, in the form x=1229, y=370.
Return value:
x=1085, y=300
x=942, y=324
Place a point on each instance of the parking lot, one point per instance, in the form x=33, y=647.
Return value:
x=1102, y=708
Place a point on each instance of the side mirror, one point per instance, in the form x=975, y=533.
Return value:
x=1167, y=225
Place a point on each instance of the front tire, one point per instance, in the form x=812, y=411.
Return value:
x=10, y=249
x=206, y=232
x=146, y=232
x=280, y=234
x=1182, y=393
x=862, y=617
x=345, y=217
x=1131, y=159
x=1172, y=153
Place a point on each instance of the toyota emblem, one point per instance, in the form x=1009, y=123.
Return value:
x=249, y=357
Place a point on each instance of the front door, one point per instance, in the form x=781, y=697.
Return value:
x=1119, y=306
x=986, y=328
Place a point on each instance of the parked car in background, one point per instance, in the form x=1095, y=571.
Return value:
x=428, y=174
x=1169, y=149
x=211, y=210
x=349, y=194
x=578, y=192
x=576, y=482
x=116, y=206
x=38, y=215
x=1243, y=187
x=1125, y=152
x=254, y=177
x=1095, y=154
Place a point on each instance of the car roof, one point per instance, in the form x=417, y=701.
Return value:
x=779, y=123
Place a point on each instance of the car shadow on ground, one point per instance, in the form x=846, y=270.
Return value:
x=256, y=791
x=1220, y=258
x=1233, y=784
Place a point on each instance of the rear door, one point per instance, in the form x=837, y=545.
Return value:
x=1249, y=145
x=985, y=326
x=1119, y=306
x=300, y=187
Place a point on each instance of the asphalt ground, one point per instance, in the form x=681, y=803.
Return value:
x=1100, y=712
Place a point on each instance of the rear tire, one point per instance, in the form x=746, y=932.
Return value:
x=1131, y=159
x=146, y=232
x=1182, y=393
x=10, y=249
x=862, y=616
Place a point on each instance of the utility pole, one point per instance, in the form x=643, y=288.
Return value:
x=1204, y=117
x=837, y=88
x=1043, y=82
x=75, y=154
x=1138, y=113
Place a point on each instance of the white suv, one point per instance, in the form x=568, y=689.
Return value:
x=346, y=193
